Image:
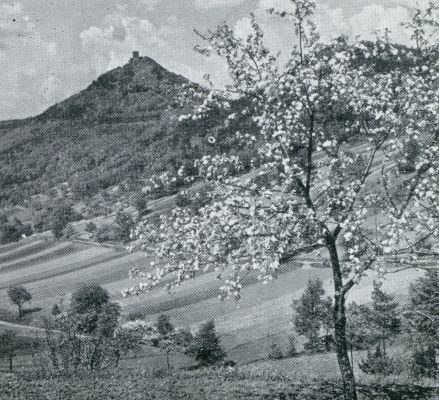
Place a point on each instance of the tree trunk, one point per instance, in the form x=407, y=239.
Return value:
x=342, y=351
x=20, y=311
x=341, y=343
x=384, y=345
x=352, y=356
x=167, y=360
x=11, y=356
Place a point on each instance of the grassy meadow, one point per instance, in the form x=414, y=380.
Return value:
x=53, y=270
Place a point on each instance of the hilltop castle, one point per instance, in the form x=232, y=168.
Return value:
x=136, y=57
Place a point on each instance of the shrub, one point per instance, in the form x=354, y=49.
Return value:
x=292, y=346
x=140, y=204
x=60, y=216
x=135, y=315
x=8, y=234
x=182, y=200
x=275, y=353
x=90, y=227
x=68, y=231
x=377, y=362
x=423, y=362
x=107, y=232
x=409, y=156
x=164, y=326
x=55, y=310
x=125, y=224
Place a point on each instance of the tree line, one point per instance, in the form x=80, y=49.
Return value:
x=375, y=326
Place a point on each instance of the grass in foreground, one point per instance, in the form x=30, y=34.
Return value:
x=203, y=384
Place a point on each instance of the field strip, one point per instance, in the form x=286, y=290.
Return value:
x=77, y=261
x=12, y=246
x=24, y=330
x=252, y=296
x=52, y=252
x=48, y=291
x=270, y=316
x=24, y=249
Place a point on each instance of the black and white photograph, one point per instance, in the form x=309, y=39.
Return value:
x=219, y=200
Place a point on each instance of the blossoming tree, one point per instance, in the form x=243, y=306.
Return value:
x=348, y=166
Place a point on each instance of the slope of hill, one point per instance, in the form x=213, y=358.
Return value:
x=53, y=270
x=123, y=127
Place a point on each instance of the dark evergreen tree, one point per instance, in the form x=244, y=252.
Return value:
x=206, y=347
x=312, y=313
x=384, y=316
x=360, y=333
x=422, y=319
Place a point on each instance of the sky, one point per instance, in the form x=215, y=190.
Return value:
x=51, y=49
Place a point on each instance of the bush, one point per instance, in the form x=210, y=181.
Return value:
x=59, y=218
x=182, y=200
x=140, y=204
x=125, y=224
x=13, y=231
x=89, y=298
x=55, y=310
x=377, y=363
x=292, y=347
x=135, y=315
x=68, y=231
x=183, y=339
x=275, y=353
x=8, y=234
x=90, y=227
x=107, y=233
x=423, y=363
x=409, y=156
x=164, y=326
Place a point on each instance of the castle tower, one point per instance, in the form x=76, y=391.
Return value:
x=136, y=56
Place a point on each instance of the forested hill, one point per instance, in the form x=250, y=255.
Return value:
x=122, y=127
x=139, y=91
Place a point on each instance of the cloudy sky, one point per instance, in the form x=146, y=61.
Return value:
x=50, y=49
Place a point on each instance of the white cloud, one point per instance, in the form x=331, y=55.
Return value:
x=26, y=62
x=14, y=23
x=112, y=43
x=217, y=3
x=331, y=22
x=412, y=3
x=107, y=47
x=377, y=17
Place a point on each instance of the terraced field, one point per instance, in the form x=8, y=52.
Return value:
x=53, y=270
